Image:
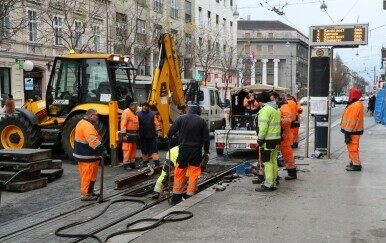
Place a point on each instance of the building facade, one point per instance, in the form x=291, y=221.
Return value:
x=39, y=30
x=273, y=53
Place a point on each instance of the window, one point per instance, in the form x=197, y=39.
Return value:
x=270, y=50
x=209, y=20
x=217, y=47
x=157, y=32
x=199, y=42
x=259, y=35
x=141, y=2
x=97, y=37
x=217, y=1
x=224, y=47
x=247, y=35
x=209, y=45
x=217, y=20
x=211, y=93
x=231, y=3
x=188, y=11
x=225, y=3
x=78, y=34
x=58, y=30
x=224, y=25
x=120, y=26
x=188, y=41
x=200, y=16
x=5, y=83
x=5, y=23
x=158, y=6
x=32, y=26
x=231, y=28
x=247, y=49
x=259, y=50
x=270, y=35
x=174, y=9
x=141, y=24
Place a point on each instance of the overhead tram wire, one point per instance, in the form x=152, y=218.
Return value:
x=349, y=10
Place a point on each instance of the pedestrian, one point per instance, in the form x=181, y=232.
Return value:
x=371, y=105
x=163, y=178
x=294, y=113
x=333, y=101
x=9, y=105
x=250, y=103
x=130, y=126
x=286, y=137
x=268, y=140
x=193, y=136
x=148, y=128
x=87, y=151
x=352, y=125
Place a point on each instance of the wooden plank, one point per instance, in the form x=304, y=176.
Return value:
x=55, y=164
x=25, y=154
x=6, y=175
x=32, y=166
x=51, y=174
x=25, y=186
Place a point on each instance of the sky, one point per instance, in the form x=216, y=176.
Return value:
x=301, y=14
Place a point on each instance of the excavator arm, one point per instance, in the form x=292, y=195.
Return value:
x=166, y=92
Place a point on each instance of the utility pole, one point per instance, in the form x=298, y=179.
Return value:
x=291, y=73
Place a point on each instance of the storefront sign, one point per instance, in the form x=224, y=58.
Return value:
x=28, y=84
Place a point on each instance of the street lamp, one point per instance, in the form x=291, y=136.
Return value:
x=28, y=66
x=323, y=7
x=288, y=45
x=236, y=13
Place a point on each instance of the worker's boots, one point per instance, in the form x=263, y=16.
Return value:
x=156, y=195
x=89, y=197
x=354, y=168
x=291, y=174
x=349, y=165
x=265, y=189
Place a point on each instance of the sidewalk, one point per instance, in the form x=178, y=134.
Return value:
x=326, y=204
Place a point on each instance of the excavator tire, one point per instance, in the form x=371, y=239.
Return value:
x=68, y=133
x=16, y=131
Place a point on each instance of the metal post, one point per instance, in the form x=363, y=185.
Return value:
x=308, y=104
x=291, y=75
x=329, y=104
x=102, y=174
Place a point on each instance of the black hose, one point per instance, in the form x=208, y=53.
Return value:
x=156, y=223
x=84, y=236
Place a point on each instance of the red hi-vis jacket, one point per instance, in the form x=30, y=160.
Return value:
x=352, y=119
x=87, y=141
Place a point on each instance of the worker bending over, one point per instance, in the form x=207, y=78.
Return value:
x=87, y=151
x=268, y=140
x=250, y=103
x=193, y=136
x=352, y=125
x=148, y=128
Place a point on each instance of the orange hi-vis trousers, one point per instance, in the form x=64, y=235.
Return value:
x=295, y=134
x=288, y=156
x=154, y=156
x=129, y=152
x=179, y=179
x=88, y=175
x=353, y=149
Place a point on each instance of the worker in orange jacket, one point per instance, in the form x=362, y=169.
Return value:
x=294, y=123
x=130, y=125
x=299, y=110
x=250, y=103
x=352, y=125
x=87, y=150
x=287, y=137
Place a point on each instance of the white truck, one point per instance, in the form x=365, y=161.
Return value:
x=209, y=100
x=241, y=133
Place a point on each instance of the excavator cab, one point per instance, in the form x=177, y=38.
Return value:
x=88, y=78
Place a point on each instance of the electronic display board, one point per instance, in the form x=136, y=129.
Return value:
x=339, y=35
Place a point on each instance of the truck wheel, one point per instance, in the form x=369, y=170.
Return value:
x=16, y=131
x=68, y=133
x=219, y=151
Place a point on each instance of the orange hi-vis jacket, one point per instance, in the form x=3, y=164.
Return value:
x=87, y=139
x=129, y=121
x=294, y=109
x=352, y=119
x=252, y=106
x=286, y=120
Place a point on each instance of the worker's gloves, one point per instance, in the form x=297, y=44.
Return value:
x=206, y=154
x=260, y=142
x=347, y=138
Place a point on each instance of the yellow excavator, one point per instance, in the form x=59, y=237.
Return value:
x=100, y=81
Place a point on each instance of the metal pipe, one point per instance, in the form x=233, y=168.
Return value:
x=308, y=104
x=102, y=174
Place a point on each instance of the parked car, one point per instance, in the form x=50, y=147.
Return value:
x=338, y=100
x=344, y=99
x=362, y=98
x=303, y=101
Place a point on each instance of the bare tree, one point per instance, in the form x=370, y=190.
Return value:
x=228, y=65
x=12, y=19
x=340, y=75
x=71, y=23
x=244, y=65
x=359, y=82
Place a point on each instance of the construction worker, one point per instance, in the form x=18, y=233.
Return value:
x=163, y=178
x=148, y=128
x=250, y=103
x=193, y=135
x=286, y=137
x=268, y=140
x=352, y=126
x=299, y=110
x=130, y=125
x=87, y=151
x=9, y=105
x=294, y=123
